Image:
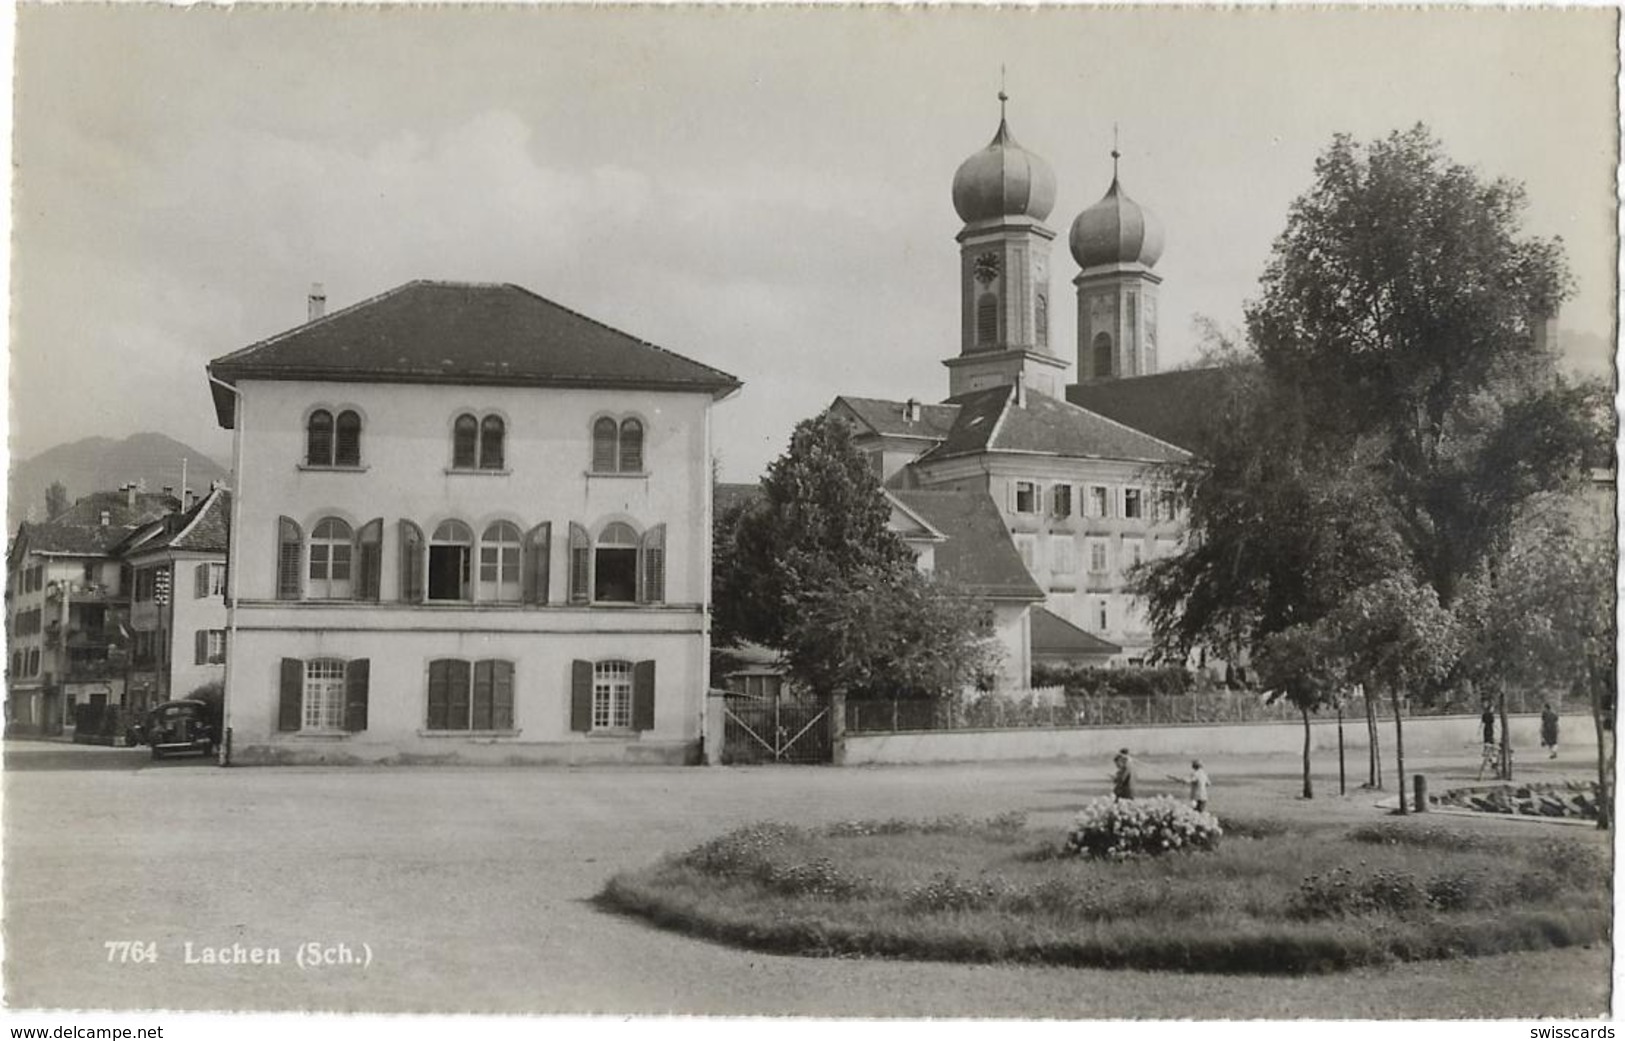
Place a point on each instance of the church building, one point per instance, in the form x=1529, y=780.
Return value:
x=1077, y=488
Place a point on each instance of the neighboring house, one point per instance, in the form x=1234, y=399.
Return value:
x=67, y=608
x=960, y=537
x=1076, y=490
x=177, y=570
x=472, y=524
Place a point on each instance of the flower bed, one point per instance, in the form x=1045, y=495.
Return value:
x=1573, y=800
x=1274, y=898
x=1116, y=829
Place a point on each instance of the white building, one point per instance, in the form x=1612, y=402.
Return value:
x=471, y=524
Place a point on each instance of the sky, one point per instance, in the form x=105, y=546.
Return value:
x=764, y=190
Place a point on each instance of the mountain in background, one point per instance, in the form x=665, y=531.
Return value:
x=100, y=464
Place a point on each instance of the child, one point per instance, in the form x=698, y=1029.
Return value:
x=1198, y=780
x=1123, y=778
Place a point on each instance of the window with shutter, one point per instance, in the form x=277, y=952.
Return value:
x=643, y=696
x=357, y=674
x=580, y=564
x=480, y=717
x=290, y=709
x=290, y=552
x=347, y=442
x=450, y=551
x=987, y=319
x=201, y=647
x=465, y=442
x=631, y=453
x=331, y=546
x=615, y=564
x=319, y=438
x=501, y=695
x=653, y=566
x=369, y=559
x=581, y=695
x=538, y=562
x=605, y=452
x=200, y=582
x=412, y=562
x=492, y=431
x=499, y=580
x=439, y=695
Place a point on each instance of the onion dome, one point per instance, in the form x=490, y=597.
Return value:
x=1116, y=230
x=1003, y=180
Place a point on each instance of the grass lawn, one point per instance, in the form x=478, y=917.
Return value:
x=1274, y=897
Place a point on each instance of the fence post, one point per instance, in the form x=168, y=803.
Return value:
x=837, y=729
x=714, y=728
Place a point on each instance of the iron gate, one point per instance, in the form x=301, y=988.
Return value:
x=775, y=730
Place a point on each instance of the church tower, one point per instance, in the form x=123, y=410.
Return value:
x=1003, y=193
x=1116, y=242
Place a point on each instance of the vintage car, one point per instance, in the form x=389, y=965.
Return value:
x=180, y=726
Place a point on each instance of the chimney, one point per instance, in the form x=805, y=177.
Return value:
x=318, y=301
x=169, y=491
x=911, y=410
x=188, y=498
x=1021, y=393
x=129, y=494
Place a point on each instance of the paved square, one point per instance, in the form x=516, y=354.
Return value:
x=471, y=889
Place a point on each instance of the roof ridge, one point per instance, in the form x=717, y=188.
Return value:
x=204, y=505
x=998, y=420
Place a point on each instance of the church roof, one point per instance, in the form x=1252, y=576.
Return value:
x=978, y=553
x=1054, y=636
x=1003, y=180
x=991, y=420
x=1174, y=406
x=464, y=333
x=1116, y=230
x=890, y=418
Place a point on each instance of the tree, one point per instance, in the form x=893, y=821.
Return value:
x=56, y=500
x=1403, y=306
x=812, y=569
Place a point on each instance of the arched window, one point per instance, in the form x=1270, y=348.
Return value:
x=319, y=438
x=615, y=565
x=605, y=452
x=464, y=442
x=987, y=319
x=499, y=564
x=450, y=550
x=631, y=446
x=1103, y=355
x=1041, y=320
x=290, y=544
x=491, y=432
x=347, y=445
x=652, y=569
x=330, y=548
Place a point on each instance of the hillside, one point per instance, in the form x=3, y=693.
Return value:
x=102, y=464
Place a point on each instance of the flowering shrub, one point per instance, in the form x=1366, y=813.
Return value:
x=1116, y=829
x=948, y=892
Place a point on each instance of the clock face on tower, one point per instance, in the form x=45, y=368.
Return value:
x=986, y=267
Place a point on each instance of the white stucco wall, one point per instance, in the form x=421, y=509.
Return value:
x=406, y=455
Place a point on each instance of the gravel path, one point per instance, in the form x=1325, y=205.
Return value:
x=471, y=889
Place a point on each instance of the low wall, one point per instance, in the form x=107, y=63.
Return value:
x=1432, y=734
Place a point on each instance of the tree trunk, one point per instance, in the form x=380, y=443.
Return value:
x=1506, y=735
x=1373, y=743
x=1399, y=748
x=1308, y=781
x=1342, y=769
x=1605, y=797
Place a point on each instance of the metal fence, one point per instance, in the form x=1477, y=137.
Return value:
x=1004, y=712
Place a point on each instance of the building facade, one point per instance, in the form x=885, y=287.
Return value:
x=1080, y=494
x=67, y=609
x=471, y=524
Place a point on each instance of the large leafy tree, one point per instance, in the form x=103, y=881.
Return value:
x=811, y=568
x=56, y=500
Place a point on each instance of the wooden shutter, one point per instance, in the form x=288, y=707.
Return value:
x=481, y=718
x=652, y=566
x=603, y=446
x=643, y=695
x=201, y=646
x=457, y=672
x=501, y=695
x=631, y=455
x=369, y=555
x=357, y=672
x=491, y=437
x=580, y=564
x=200, y=582
x=289, y=559
x=291, y=704
x=538, y=562
x=413, y=562
x=464, y=442
x=581, y=695
x=438, y=700
x=347, y=445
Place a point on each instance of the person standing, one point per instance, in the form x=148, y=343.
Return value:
x=1198, y=780
x=1548, y=729
x=1123, y=777
x=1488, y=719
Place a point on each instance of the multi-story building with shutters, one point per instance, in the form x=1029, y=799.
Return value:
x=471, y=524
